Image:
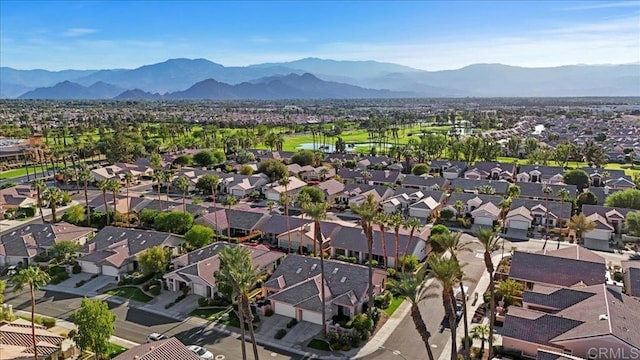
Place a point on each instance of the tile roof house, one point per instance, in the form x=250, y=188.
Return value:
x=16, y=342
x=196, y=269
x=320, y=173
x=21, y=245
x=274, y=191
x=488, y=170
x=423, y=182
x=598, y=176
x=540, y=174
x=535, y=191
x=351, y=242
x=20, y=196
x=374, y=177
x=275, y=224
x=113, y=250
x=557, y=268
x=578, y=321
x=448, y=169
x=470, y=201
x=631, y=272
x=305, y=235
x=241, y=221
x=541, y=210
x=357, y=193
x=472, y=186
x=117, y=171
x=171, y=348
x=331, y=188
x=294, y=289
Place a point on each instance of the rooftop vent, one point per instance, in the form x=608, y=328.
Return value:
x=49, y=235
x=13, y=233
x=298, y=271
x=200, y=252
x=123, y=234
x=344, y=278
x=335, y=270
x=314, y=266
x=29, y=227
x=110, y=237
x=139, y=236
x=603, y=317
x=143, y=241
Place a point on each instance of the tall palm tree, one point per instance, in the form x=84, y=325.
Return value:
x=412, y=224
x=459, y=206
x=365, y=175
x=301, y=201
x=381, y=219
x=114, y=186
x=214, y=181
x=513, y=191
x=53, y=197
x=367, y=211
x=182, y=184
x=285, y=181
x=447, y=272
x=35, y=278
x=413, y=287
x=452, y=244
x=396, y=221
x=480, y=332
x=580, y=224
x=167, y=175
x=128, y=180
x=39, y=186
x=103, y=185
x=157, y=178
x=564, y=195
x=85, y=176
x=489, y=242
x=547, y=191
x=317, y=211
x=229, y=201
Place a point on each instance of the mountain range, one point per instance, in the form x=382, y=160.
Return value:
x=317, y=78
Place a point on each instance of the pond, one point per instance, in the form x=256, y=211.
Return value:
x=350, y=147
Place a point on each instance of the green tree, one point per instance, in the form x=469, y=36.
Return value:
x=114, y=186
x=34, y=278
x=176, y=222
x=154, y=260
x=103, y=185
x=302, y=200
x=367, y=211
x=586, y=198
x=396, y=221
x=53, y=197
x=480, y=332
x=273, y=168
x=632, y=223
x=158, y=178
x=420, y=169
x=576, y=177
x=489, y=242
x=148, y=216
x=128, y=180
x=381, y=219
x=86, y=177
x=3, y=285
x=284, y=199
x=246, y=170
x=75, y=215
x=229, y=201
x=96, y=324
x=65, y=249
x=210, y=182
x=564, y=196
x=513, y=191
x=39, y=186
x=304, y=158
x=508, y=289
x=629, y=198
x=413, y=287
x=199, y=236
x=315, y=194
x=412, y=224
x=562, y=153
x=182, y=184
x=204, y=159
x=182, y=160
x=580, y=224
x=447, y=272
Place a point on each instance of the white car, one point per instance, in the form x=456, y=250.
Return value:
x=155, y=337
x=201, y=352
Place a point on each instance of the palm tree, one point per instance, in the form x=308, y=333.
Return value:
x=447, y=272
x=128, y=180
x=564, y=195
x=365, y=175
x=459, y=206
x=39, y=186
x=167, y=175
x=480, y=332
x=317, y=211
x=229, y=201
x=214, y=181
x=367, y=211
x=35, y=278
x=412, y=224
x=513, y=191
x=103, y=185
x=301, y=201
x=285, y=181
x=452, y=244
x=547, y=191
x=114, y=186
x=381, y=219
x=53, y=197
x=508, y=289
x=85, y=176
x=489, y=242
x=580, y=224
x=396, y=221
x=413, y=287
x=157, y=178
x=182, y=184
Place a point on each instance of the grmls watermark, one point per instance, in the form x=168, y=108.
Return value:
x=602, y=353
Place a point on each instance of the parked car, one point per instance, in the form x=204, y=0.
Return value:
x=155, y=337
x=201, y=352
x=12, y=270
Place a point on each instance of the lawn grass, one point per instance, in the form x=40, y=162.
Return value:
x=130, y=292
x=211, y=314
x=114, y=350
x=394, y=305
x=319, y=345
x=628, y=170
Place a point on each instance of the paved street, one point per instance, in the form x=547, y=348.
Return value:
x=135, y=325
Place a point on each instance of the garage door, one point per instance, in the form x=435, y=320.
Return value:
x=312, y=317
x=284, y=310
x=199, y=290
x=89, y=267
x=481, y=220
x=518, y=224
x=109, y=271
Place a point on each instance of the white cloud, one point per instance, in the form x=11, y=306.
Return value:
x=604, y=5
x=75, y=32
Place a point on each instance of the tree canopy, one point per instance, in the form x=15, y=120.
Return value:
x=315, y=194
x=199, y=236
x=75, y=215
x=629, y=198
x=177, y=222
x=632, y=222
x=273, y=168
x=64, y=249
x=419, y=169
x=96, y=324
x=577, y=177
x=306, y=157
x=154, y=260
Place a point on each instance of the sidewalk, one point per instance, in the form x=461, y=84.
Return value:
x=483, y=283
x=71, y=326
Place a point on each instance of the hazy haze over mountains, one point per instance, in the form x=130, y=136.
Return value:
x=316, y=78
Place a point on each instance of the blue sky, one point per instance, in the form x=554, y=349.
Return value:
x=426, y=35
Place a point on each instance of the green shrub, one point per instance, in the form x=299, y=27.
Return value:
x=203, y=302
x=268, y=312
x=392, y=272
x=292, y=323
x=409, y=262
x=169, y=305
x=76, y=269
x=280, y=334
x=48, y=322
x=617, y=276
x=80, y=283
x=155, y=290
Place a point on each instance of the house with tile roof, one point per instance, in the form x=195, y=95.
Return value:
x=488, y=170
x=631, y=273
x=305, y=236
x=448, y=169
x=294, y=289
x=21, y=245
x=171, y=348
x=540, y=174
x=424, y=182
x=196, y=269
x=113, y=250
x=16, y=342
x=471, y=186
x=274, y=191
x=589, y=322
x=241, y=221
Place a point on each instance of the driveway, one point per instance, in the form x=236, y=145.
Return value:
x=90, y=289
